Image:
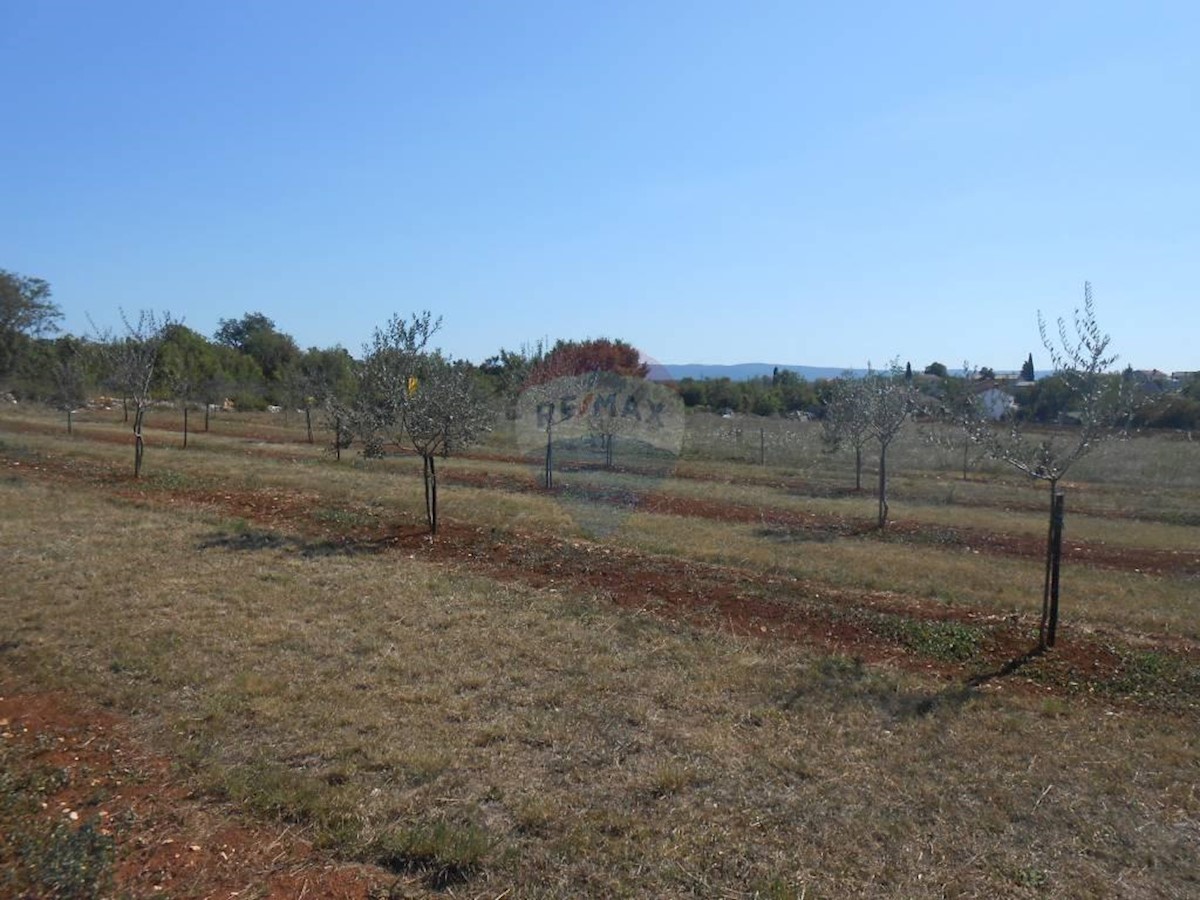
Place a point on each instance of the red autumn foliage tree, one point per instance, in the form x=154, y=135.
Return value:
x=568, y=358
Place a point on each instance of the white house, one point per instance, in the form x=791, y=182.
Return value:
x=996, y=404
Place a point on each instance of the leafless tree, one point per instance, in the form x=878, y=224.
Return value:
x=554, y=405
x=569, y=410
x=69, y=371
x=132, y=358
x=1103, y=404
x=960, y=412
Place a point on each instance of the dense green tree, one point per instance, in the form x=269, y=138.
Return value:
x=1169, y=411
x=782, y=392
x=1027, y=371
x=318, y=379
x=507, y=373
x=256, y=335
x=1047, y=401
x=938, y=369
x=795, y=392
x=188, y=365
x=26, y=312
x=692, y=392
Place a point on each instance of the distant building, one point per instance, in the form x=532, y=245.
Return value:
x=996, y=403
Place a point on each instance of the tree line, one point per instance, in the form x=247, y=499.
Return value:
x=250, y=363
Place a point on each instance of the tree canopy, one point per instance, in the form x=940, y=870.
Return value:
x=256, y=336
x=568, y=358
x=26, y=311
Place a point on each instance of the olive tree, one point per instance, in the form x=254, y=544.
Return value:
x=444, y=411
x=888, y=402
x=960, y=408
x=70, y=375
x=415, y=398
x=1101, y=403
x=845, y=421
x=132, y=358
x=385, y=378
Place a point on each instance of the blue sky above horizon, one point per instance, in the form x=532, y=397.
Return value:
x=825, y=184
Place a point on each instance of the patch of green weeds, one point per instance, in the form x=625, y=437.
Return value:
x=276, y=792
x=342, y=518
x=1152, y=674
x=169, y=481
x=1180, y=518
x=943, y=641
x=444, y=853
x=67, y=862
x=39, y=858
x=1031, y=877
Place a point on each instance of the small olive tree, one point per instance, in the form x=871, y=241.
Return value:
x=960, y=409
x=845, y=422
x=1101, y=403
x=70, y=376
x=889, y=401
x=387, y=375
x=132, y=360
x=444, y=411
x=412, y=397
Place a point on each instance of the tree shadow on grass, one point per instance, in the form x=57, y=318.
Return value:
x=1013, y=665
x=252, y=540
x=850, y=680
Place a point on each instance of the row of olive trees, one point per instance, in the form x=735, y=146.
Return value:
x=873, y=409
x=403, y=393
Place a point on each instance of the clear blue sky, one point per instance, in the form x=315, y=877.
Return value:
x=823, y=184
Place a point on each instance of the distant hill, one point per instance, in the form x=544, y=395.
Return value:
x=740, y=372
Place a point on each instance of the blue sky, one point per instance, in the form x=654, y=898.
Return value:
x=823, y=184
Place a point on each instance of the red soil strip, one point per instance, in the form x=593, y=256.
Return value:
x=168, y=841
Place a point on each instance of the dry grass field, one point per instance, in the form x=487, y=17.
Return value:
x=251, y=670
